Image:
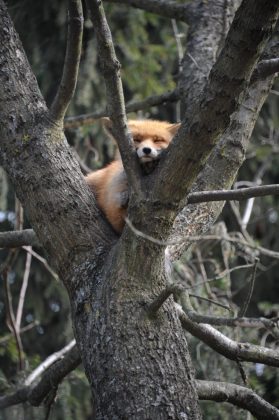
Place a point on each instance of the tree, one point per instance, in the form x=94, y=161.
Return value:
x=128, y=332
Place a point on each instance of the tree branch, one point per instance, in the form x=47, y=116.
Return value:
x=237, y=395
x=228, y=348
x=61, y=208
x=28, y=237
x=227, y=82
x=247, y=300
x=238, y=194
x=225, y=160
x=267, y=323
x=154, y=100
x=265, y=68
x=168, y=9
x=50, y=380
x=18, y=238
x=115, y=97
x=71, y=64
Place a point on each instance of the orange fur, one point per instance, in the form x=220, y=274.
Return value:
x=110, y=184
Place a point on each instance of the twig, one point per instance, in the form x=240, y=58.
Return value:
x=42, y=260
x=244, y=308
x=242, y=372
x=210, y=301
x=203, y=272
x=115, y=99
x=220, y=276
x=154, y=100
x=221, y=321
x=237, y=395
x=71, y=64
x=27, y=327
x=230, y=349
x=11, y=319
x=23, y=290
x=264, y=251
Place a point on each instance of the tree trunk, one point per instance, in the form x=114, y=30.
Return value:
x=139, y=367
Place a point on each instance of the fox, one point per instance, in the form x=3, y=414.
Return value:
x=110, y=186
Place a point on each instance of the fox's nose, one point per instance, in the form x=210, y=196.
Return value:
x=146, y=150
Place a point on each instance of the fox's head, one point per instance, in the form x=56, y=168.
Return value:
x=150, y=137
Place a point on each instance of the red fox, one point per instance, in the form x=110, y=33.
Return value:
x=110, y=183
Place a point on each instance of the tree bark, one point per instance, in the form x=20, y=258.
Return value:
x=138, y=367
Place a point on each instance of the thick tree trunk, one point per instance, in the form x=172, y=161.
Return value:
x=139, y=367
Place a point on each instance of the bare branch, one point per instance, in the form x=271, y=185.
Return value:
x=191, y=239
x=53, y=358
x=18, y=238
x=51, y=378
x=214, y=302
x=244, y=308
x=231, y=349
x=28, y=327
x=168, y=9
x=221, y=321
x=23, y=291
x=154, y=100
x=161, y=298
x=237, y=395
x=27, y=237
x=42, y=260
x=11, y=322
x=238, y=194
x=115, y=97
x=220, y=99
x=265, y=68
x=71, y=64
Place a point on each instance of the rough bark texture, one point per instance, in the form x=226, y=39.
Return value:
x=138, y=367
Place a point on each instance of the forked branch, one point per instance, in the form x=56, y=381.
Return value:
x=227, y=82
x=71, y=64
x=115, y=98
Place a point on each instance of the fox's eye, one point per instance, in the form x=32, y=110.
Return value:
x=136, y=139
x=158, y=140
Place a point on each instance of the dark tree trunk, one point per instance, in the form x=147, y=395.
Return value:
x=139, y=367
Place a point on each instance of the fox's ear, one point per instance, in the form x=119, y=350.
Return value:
x=173, y=128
